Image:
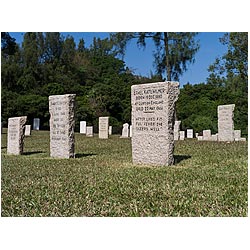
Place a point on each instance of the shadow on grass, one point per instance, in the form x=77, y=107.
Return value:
x=34, y=152
x=179, y=158
x=3, y=147
x=83, y=155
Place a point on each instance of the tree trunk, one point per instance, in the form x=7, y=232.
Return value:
x=168, y=68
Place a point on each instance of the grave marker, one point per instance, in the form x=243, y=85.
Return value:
x=153, y=108
x=27, y=130
x=36, y=123
x=103, y=127
x=125, y=130
x=82, y=127
x=89, y=131
x=177, y=130
x=190, y=133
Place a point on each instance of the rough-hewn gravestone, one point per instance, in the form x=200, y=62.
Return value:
x=153, y=108
x=82, y=127
x=237, y=135
x=225, y=122
x=89, y=131
x=62, y=124
x=177, y=130
x=182, y=135
x=110, y=130
x=104, y=127
x=207, y=135
x=36, y=124
x=125, y=130
x=190, y=133
x=16, y=127
x=27, y=130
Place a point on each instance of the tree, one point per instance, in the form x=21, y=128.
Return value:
x=174, y=50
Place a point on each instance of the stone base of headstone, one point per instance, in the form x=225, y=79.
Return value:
x=16, y=129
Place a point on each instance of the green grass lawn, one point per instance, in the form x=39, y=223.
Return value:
x=208, y=179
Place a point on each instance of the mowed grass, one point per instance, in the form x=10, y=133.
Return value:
x=208, y=179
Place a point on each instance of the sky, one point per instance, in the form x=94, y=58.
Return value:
x=141, y=60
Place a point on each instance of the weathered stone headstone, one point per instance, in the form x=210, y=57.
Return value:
x=36, y=124
x=62, y=124
x=182, y=135
x=89, y=131
x=103, y=127
x=196, y=135
x=237, y=135
x=214, y=138
x=190, y=133
x=82, y=127
x=153, y=108
x=125, y=130
x=110, y=130
x=225, y=122
x=200, y=138
x=207, y=135
x=130, y=131
x=177, y=130
x=27, y=130
x=16, y=127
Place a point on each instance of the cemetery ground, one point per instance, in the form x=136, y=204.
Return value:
x=208, y=179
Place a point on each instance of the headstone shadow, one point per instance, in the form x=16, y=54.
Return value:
x=179, y=158
x=33, y=152
x=80, y=155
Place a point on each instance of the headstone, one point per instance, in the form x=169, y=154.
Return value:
x=130, y=131
x=237, y=135
x=82, y=127
x=182, y=135
x=16, y=127
x=110, y=130
x=200, y=138
x=103, y=127
x=214, y=138
x=125, y=130
x=27, y=130
x=62, y=124
x=177, y=130
x=196, y=135
x=36, y=124
x=207, y=135
x=190, y=133
x=89, y=131
x=225, y=122
x=153, y=108
x=243, y=139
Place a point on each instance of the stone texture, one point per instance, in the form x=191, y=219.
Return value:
x=153, y=108
x=200, y=138
x=190, y=133
x=237, y=135
x=225, y=122
x=36, y=124
x=125, y=130
x=207, y=135
x=83, y=127
x=89, y=131
x=182, y=135
x=104, y=127
x=177, y=125
x=110, y=130
x=62, y=124
x=27, y=130
x=16, y=127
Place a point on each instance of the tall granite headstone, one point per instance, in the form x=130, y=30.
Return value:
x=153, y=108
x=16, y=128
x=27, y=130
x=177, y=130
x=125, y=130
x=104, y=127
x=225, y=122
x=62, y=124
x=207, y=135
x=36, y=124
x=82, y=127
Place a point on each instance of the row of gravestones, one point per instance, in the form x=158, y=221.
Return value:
x=153, y=112
x=226, y=130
